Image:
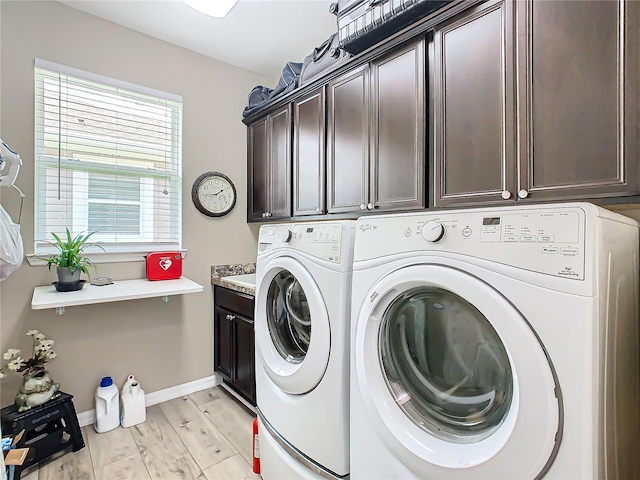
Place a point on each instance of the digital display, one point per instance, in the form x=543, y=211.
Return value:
x=310, y=230
x=491, y=221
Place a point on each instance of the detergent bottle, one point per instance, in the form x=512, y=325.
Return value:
x=133, y=403
x=107, y=406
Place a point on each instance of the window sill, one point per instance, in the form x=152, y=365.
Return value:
x=47, y=297
x=37, y=259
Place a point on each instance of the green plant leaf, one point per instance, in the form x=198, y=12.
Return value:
x=70, y=252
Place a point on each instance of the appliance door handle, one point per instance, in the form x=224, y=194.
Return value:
x=373, y=3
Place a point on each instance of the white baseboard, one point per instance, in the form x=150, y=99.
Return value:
x=88, y=417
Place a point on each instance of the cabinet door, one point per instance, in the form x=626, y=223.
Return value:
x=579, y=97
x=245, y=378
x=223, y=343
x=258, y=171
x=474, y=106
x=280, y=163
x=308, y=154
x=347, y=142
x=397, y=142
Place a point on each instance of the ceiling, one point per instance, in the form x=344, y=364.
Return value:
x=257, y=35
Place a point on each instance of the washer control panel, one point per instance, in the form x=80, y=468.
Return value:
x=531, y=228
x=548, y=240
x=318, y=239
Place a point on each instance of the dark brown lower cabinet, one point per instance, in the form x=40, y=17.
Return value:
x=234, y=344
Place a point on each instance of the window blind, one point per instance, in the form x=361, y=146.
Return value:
x=108, y=159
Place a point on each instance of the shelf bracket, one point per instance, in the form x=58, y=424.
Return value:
x=165, y=299
x=60, y=310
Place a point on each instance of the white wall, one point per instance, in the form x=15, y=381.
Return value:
x=162, y=344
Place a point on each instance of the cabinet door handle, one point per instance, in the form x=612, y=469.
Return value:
x=363, y=206
x=370, y=206
x=264, y=214
x=506, y=194
x=319, y=210
x=269, y=214
x=523, y=193
x=230, y=317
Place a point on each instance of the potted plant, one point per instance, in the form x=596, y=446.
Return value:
x=70, y=260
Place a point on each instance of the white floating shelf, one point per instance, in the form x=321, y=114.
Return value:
x=47, y=296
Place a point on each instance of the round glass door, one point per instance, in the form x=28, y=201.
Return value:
x=293, y=334
x=445, y=364
x=288, y=317
x=451, y=375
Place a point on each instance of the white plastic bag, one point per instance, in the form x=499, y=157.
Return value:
x=10, y=163
x=11, y=248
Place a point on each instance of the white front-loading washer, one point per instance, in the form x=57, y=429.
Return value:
x=302, y=332
x=495, y=343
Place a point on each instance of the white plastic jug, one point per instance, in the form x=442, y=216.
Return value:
x=133, y=403
x=107, y=406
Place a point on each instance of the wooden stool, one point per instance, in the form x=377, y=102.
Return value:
x=49, y=428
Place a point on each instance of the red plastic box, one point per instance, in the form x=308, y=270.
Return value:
x=164, y=265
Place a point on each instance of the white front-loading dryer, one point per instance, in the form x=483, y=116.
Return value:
x=302, y=311
x=495, y=344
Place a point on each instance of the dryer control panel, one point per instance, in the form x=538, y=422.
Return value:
x=321, y=240
x=549, y=239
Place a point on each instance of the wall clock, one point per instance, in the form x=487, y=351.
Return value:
x=214, y=194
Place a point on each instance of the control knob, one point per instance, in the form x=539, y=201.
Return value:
x=286, y=235
x=432, y=231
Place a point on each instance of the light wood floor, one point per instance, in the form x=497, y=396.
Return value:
x=203, y=436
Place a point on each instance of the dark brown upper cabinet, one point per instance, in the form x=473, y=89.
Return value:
x=527, y=101
x=579, y=99
x=474, y=106
x=269, y=166
x=309, y=132
x=376, y=134
x=536, y=101
x=347, y=141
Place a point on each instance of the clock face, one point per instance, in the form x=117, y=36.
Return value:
x=213, y=194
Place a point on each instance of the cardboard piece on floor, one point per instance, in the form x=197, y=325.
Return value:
x=16, y=456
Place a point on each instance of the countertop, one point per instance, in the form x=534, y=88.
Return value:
x=239, y=277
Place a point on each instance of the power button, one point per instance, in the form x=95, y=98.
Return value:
x=466, y=232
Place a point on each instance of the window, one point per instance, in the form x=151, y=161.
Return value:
x=108, y=159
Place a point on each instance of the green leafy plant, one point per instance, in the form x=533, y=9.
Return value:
x=71, y=253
